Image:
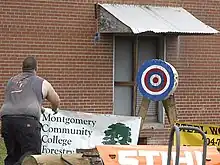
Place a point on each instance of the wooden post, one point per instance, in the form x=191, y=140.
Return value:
x=143, y=110
x=170, y=109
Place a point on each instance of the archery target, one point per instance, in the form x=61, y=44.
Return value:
x=157, y=79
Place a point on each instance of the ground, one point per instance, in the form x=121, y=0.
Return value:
x=2, y=152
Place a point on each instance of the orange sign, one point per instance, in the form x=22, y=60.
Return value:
x=155, y=155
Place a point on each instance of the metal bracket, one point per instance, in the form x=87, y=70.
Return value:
x=177, y=130
x=170, y=145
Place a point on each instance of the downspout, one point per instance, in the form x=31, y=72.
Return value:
x=164, y=47
x=113, y=74
x=164, y=58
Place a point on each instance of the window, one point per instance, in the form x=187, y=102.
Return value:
x=129, y=53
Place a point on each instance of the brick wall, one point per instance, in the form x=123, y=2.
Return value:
x=60, y=34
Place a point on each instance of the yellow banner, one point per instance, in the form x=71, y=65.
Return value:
x=193, y=138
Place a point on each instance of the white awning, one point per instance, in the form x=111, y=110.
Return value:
x=144, y=18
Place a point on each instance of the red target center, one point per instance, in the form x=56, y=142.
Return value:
x=155, y=80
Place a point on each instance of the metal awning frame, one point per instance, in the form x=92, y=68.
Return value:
x=129, y=32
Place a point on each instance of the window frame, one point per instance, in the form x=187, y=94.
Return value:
x=161, y=53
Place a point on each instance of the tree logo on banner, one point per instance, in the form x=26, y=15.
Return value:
x=157, y=79
x=117, y=134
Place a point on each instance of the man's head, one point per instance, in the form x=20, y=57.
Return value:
x=29, y=64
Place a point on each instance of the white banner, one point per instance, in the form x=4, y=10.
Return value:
x=67, y=131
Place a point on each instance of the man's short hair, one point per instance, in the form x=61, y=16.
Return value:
x=29, y=63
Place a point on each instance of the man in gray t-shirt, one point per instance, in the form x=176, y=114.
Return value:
x=21, y=110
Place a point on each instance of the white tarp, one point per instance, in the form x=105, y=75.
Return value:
x=69, y=130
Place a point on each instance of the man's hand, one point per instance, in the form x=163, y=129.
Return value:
x=55, y=111
x=42, y=110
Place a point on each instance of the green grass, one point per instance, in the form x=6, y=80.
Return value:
x=2, y=151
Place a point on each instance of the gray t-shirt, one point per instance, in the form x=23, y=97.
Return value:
x=23, y=95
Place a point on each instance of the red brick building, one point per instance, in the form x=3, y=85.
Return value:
x=98, y=76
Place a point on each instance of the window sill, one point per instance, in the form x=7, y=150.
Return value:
x=153, y=126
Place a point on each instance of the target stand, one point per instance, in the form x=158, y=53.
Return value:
x=157, y=80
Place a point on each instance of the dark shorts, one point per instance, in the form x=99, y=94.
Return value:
x=22, y=136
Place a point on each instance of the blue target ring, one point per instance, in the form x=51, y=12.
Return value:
x=155, y=79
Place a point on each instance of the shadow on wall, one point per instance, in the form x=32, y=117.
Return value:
x=142, y=141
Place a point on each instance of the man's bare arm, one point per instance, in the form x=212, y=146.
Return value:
x=50, y=94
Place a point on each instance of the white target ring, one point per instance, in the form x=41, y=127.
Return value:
x=158, y=80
